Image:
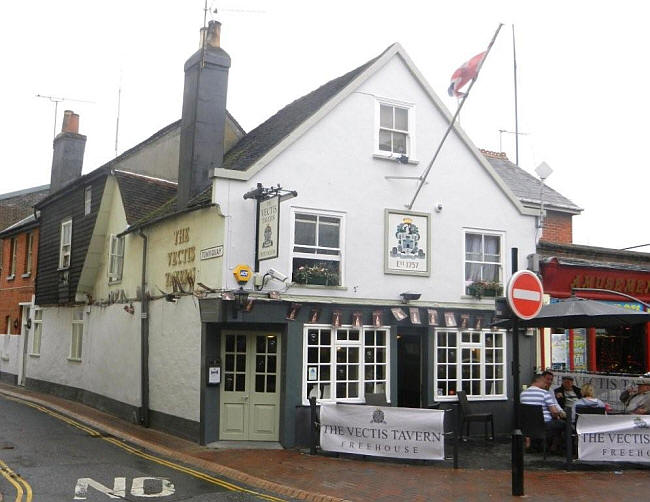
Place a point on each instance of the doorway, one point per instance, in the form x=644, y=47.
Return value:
x=250, y=393
x=409, y=371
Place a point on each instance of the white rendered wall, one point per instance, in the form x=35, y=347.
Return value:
x=175, y=357
x=332, y=168
x=110, y=358
x=9, y=353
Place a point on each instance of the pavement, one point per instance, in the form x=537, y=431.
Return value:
x=484, y=467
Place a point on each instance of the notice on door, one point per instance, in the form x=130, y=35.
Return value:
x=383, y=431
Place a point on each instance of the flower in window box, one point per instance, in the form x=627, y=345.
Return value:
x=316, y=274
x=479, y=289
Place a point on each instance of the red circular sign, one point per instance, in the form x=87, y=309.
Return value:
x=525, y=294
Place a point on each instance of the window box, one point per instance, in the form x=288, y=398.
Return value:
x=479, y=289
x=320, y=274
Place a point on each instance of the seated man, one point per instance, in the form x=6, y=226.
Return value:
x=637, y=402
x=567, y=393
x=548, y=376
x=538, y=395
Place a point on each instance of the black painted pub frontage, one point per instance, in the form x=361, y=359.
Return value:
x=262, y=359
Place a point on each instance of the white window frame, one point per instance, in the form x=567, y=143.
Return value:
x=315, y=256
x=501, y=262
x=63, y=253
x=410, y=134
x=334, y=343
x=37, y=333
x=29, y=253
x=88, y=198
x=460, y=345
x=115, y=258
x=13, y=247
x=76, y=335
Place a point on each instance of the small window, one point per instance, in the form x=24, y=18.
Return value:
x=394, y=130
x=29, y=243
x=65, y=244
x=317, y=249
x=38, y=332
x=116, y=259
x=77, y=335
x=88, y=198
x=483, y=261
x=12, y=257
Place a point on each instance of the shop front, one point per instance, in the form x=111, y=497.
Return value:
x=272, y=355
x=614, y=350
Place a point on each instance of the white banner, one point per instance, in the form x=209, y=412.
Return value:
x=607, y=388
x=383, y=431
x=614, y=438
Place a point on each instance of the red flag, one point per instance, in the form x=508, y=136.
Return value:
x=464, y=74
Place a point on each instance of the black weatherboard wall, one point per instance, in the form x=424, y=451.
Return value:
x=67, y=203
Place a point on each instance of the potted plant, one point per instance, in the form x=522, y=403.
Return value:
x=479, y=289
x=318, y=273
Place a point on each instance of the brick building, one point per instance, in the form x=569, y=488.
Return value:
x=19, y=249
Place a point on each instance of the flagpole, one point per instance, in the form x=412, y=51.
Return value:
x=514, y=61
x=453, y=120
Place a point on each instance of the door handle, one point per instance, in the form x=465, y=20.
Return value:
x=245, y=398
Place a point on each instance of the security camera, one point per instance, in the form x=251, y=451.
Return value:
x=277, y=275
x=438, y=207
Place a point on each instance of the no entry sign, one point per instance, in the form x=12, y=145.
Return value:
x=524, y=294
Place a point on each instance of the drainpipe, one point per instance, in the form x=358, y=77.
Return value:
x=144, y=337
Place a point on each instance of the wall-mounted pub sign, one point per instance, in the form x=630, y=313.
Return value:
x=268, y=228
x=407, y=248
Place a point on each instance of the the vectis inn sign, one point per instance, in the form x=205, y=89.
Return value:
x=383, y=431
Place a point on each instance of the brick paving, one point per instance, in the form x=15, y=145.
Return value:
x=484, y=473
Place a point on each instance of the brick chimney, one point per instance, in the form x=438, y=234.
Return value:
x=68, y=156
x=204, y=114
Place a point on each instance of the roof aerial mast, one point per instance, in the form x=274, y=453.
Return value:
x=56, y=102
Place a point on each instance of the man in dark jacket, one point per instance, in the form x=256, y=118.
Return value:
x=567, y=393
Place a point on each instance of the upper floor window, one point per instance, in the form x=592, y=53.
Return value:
x=317, y=248
x=116, y=258
x=88, y=198
x=29, y=250
x=395, y=129
x=13, y=245
x=483, y=258
x=65, y=246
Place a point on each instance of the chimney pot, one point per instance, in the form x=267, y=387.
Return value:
x=70, y=122
x=211, y=36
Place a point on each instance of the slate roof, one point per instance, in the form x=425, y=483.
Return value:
x=142, y=195
x=525, y=186
x=264, y=137
x=15, y=206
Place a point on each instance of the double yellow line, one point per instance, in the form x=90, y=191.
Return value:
x=134, y=451
x=18, y=482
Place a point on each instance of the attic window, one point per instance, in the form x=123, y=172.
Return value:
x=394, y=136
x=88, y=198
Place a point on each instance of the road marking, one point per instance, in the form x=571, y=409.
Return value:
x=526, y=294
x=17, y=481
x=134, y=451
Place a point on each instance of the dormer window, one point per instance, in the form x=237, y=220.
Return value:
x=395, y=136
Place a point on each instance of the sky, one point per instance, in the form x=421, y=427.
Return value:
x=582, y=80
